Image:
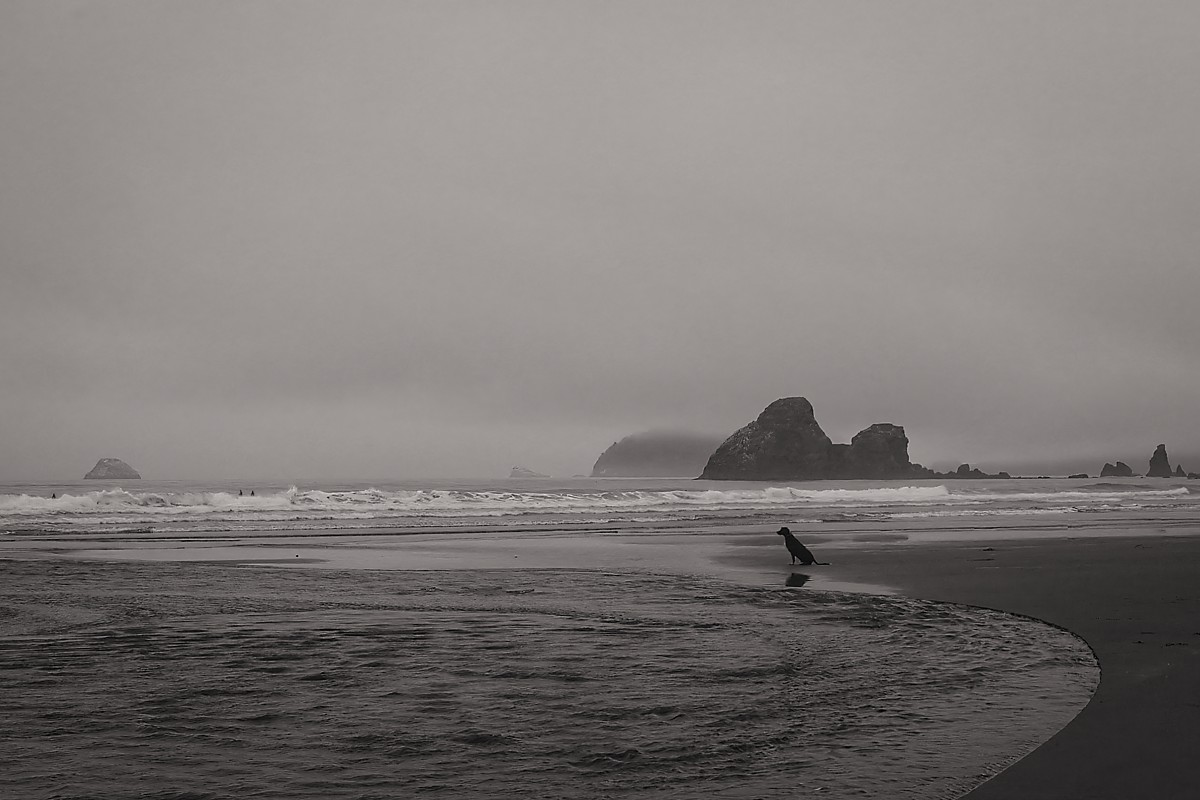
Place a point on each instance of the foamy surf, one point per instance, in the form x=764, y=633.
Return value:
x=579, y=501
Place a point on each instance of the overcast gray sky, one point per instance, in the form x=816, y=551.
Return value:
x=360, y=239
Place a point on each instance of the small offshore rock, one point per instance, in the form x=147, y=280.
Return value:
x=108, y=469
x=521, y=472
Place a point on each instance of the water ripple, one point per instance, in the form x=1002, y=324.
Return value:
x=178, y=680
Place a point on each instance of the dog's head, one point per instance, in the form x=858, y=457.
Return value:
x=784, y=531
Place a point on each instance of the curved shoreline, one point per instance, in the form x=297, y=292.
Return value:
x=1134, y=600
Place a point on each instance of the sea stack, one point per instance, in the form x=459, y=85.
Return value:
x=786, y=443
x=656, y=454
x=1160, y=467
x=1117, y=470
x=878, y=452
x=110, y=469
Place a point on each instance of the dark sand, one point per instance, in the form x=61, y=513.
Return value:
x=1135, y=600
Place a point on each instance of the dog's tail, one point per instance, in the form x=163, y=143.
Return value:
x=822, y=563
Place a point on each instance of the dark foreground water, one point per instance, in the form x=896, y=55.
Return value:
x=207, y=681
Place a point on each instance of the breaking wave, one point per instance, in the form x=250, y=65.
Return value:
x=120, y=509
x=1073, y=496
x=450, y=502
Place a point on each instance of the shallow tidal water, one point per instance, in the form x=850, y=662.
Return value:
x=132, y=680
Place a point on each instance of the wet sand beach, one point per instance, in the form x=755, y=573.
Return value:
x=1135, y=600
x=209, y=668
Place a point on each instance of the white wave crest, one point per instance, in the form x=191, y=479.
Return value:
x=110, y=509
x=448, y=501
x=1074, y=496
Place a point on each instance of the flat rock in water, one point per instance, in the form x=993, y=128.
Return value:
x=521, y=472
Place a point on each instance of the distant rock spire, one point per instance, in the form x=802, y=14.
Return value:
x=1160, y=467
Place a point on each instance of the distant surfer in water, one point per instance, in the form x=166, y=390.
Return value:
x=799, y=552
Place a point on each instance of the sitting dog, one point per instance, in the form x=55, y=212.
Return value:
x=799, y=551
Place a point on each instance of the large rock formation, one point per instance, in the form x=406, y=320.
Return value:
x=1179, y=473
x=1118, y=470
x=786, y=443
x=656, y=454
x=110, y=469
x=1160, y=467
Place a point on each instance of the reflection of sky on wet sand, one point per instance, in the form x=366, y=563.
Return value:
x=504, y=683
x=707, y=554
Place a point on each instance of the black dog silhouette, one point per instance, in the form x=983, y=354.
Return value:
x=799, y=551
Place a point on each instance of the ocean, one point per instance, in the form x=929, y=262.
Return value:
x=150, y=508
x=124, y=676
